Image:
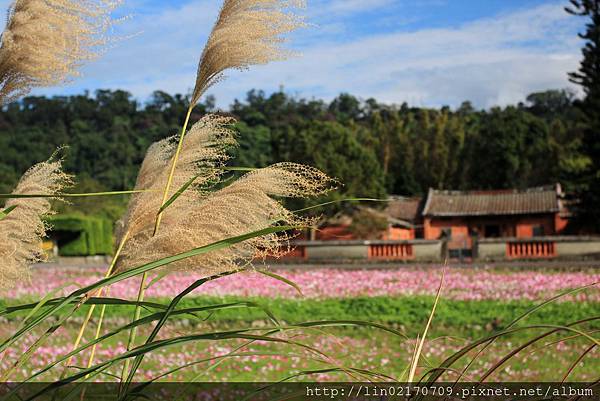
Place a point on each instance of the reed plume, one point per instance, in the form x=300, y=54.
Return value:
x=201, y=157
x=201, y=218
x=247, y=32
x=244, y=206
x=21, y=232
x=46, y=41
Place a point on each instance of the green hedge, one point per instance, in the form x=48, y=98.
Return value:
x=90, y=235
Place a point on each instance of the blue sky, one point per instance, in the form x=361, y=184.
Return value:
x=424, y=52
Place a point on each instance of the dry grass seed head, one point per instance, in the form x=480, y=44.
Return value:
x=247, y=32
x=202, y=155
x=244, y=206
x=46, y=41
x=22, y=231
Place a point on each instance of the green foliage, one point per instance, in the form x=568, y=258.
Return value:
x=254, y=148
x=336, y=149
x=366, y=224
x=373, y=149
x=80, y=235
x=588, y=76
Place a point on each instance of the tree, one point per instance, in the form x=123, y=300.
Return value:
x=551, y=102
x=254, y=148
x=372, y=148
x=588, y=76
x=346, y=107
x=335, y=149
x=368, y=224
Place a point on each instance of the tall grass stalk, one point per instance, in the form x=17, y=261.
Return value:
x=246, y=33
x=133, y=331
x=419, y=347
x=72, y=195
x=141, y=291
x=173, y=166
x=103, y=310
x=93, y=307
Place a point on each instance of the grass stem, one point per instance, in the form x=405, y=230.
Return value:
x=421, y=342
x=172, y=172
x=142, y=289
x=133, y=331
x=93, y=307
x=73, y=195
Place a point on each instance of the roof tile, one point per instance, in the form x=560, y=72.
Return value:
x=479, y=203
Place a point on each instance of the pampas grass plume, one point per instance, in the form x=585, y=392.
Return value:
x=22, y=231
x=200, y=218
x=202, y=156
x=46, y=41
x=247, y=32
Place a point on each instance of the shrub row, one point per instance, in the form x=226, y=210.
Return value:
x=80, y=235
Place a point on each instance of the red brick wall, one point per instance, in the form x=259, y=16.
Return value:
x=560, y=224
x=432, y=228
x=525, y=225
x=397, y=233
x=334, y=233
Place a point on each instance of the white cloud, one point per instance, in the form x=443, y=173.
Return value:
x=338, y=7
x=489, y=61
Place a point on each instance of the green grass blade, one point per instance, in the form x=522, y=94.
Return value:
x=555, y=328
x=5, y=212
x=47, y=298
x=219, y=359
x=142, y=321
x=340, y=201
x=178, y=193
x=550, y=300
x=350, y=323
x=81, y=195
x=435, y=373
x=523, y=316
x=312, y=372
x=215, y=336
x=91, y=301
x=138, y=360
x=419, y=349
x=282, y=279
x=156, y=345
x=576, y=362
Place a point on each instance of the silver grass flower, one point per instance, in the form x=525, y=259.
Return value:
x=247, y=32
x=23, y=229
x=46, y=41
x=200, y=218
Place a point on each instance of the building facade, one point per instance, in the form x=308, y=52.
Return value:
x=533, y=212
x=463, y=216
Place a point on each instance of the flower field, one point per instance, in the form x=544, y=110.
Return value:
x=459, y=284
x=475, y=303
x=370, y=350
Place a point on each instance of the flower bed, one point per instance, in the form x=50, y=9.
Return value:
x=461, y=284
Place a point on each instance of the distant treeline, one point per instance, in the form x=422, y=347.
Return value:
x=374, y=149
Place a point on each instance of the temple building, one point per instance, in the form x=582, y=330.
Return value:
x=461, y=216
x=533, y=212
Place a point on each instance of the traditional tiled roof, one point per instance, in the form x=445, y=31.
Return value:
x=405, y=209
x=498, y=202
